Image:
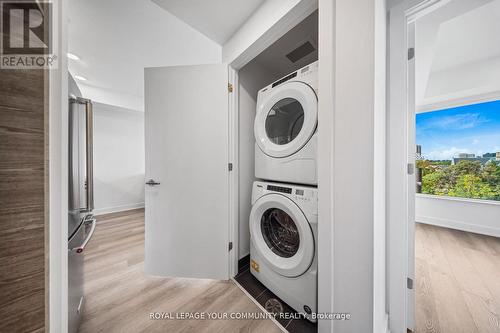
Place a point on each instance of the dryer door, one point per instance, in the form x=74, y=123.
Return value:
x=287, y=119
x=282, y=235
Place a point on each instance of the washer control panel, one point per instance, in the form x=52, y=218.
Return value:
x=300, y=193
x=306, y=197
x=280, y=189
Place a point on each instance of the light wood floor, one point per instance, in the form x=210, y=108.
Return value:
x=120, y=298
x=457, y=281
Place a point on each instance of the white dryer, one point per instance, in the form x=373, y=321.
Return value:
x=283, y=247
x=285, y=128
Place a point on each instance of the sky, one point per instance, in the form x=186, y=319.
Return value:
x=466, y=129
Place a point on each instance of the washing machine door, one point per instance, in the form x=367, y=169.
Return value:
x=287, y=119
x=282, y=235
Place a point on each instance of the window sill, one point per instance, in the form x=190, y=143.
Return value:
x=469, y=200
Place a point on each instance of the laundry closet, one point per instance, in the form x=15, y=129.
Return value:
x=277, y=174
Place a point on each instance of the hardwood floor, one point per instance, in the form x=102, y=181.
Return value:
x=120, y=298
x=457, y=281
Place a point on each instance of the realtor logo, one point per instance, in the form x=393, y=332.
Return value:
x=26, y=34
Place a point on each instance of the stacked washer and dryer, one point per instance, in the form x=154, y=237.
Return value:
x=284, y=215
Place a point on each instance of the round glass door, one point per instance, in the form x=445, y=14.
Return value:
x=280, y=232
x=284, y=121
x=281, y=235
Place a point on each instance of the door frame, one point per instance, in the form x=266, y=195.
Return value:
x=57, y=236
x=233, y=133
x=401, y=130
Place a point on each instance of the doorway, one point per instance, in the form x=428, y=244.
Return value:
x=452, y=110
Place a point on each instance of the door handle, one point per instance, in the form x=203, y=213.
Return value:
x=79, y=249
x=151, y=182
x=90, y=153
x=89, y=150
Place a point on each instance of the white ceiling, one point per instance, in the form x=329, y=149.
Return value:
x=216, y=19
x=117, y=39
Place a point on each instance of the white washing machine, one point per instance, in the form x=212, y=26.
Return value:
x=285, y=128
x=283, y=247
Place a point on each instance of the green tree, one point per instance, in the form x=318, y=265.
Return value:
x=491, y=176
x=468, y=179
x=472, y=186
x=491, y=173
x=467, y=167
x=435, y=183
x=423, y=164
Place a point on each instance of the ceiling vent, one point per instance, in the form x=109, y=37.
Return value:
x=301, y=51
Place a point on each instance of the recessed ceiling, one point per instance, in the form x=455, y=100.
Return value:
x=457, y=52
x=216, y=19
x=468, y=38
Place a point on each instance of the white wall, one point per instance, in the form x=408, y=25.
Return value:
x=380, y=317
x=118, y=158
x=478, y=216
x=251, y=78
x=117, y=39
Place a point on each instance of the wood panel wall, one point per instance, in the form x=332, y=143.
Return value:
x=23, y=177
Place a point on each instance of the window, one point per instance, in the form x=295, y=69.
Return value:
x=458, y=151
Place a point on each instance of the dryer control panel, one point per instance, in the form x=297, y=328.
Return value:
x=307, y=74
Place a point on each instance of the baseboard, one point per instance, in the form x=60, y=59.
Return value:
x=477, y=229
x=115, y=209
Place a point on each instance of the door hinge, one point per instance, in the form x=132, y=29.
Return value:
x=230, y=246
x=410, y=168
x=411, y=53
x=230, y=166
x=230, y=87
x=409, y=283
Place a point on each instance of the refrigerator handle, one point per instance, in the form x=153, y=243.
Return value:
x=79, y=249
x=89, y=133
x=90, y=154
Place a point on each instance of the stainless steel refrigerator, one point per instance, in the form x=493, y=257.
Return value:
x=81, y=221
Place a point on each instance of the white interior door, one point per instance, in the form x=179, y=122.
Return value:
x=187, y=213
x=411, y=148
